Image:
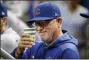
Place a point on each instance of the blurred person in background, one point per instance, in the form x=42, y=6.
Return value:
x=73, y=22
x=16, y=10
x=18, y=15
x=17, y=7
x=9, y=38
x=86, y=15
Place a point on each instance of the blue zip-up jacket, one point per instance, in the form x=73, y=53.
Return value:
x=54, y=51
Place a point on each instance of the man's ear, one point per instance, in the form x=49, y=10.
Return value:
x=59, y=20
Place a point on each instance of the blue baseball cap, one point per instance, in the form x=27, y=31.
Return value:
x=86, y=15
x=3, y=10
x=46, y=11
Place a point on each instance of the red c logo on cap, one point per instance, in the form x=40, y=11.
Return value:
x=37, y=11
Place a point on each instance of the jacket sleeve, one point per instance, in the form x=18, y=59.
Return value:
x=29, y=53
x=70, y=54
x=24, y=55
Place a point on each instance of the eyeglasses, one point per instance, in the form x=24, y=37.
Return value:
x=42, y=23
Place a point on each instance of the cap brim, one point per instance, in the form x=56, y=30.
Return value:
x=85, y=15
x=40, y=19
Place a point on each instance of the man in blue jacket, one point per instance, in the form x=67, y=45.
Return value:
x=57, y=43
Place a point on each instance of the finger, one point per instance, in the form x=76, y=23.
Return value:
x=25, y=46
x=24, y=42
x=28, y=39
x=25, y=35
x=27, y=43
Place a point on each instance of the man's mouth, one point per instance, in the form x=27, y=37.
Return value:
x=43, y=32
